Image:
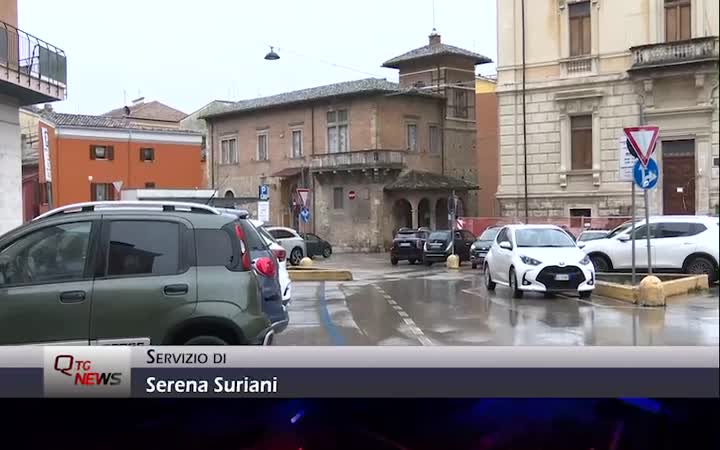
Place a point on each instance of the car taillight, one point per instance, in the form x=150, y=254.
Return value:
x=280, y=254
x=243, y=248
x=265, y=267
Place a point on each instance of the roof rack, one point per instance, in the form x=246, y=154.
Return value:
x=130, y=204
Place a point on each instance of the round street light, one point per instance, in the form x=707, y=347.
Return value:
x=272, y=56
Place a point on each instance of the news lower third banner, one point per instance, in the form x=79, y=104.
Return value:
x=346, y=372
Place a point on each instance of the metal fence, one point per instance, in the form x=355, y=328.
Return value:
x=22, y=53
x=576, y=225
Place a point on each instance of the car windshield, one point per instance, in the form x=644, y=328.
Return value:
x=619, y=230
x=489, y=234
x=439, y=236
x=543, y=237
x=266, y=235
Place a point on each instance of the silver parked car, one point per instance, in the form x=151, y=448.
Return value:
x=293, y=243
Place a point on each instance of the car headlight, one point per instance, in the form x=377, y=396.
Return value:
x=472, y=248
x=425, y=247
x=530, y=261
x=449, y=246
x=585, y=261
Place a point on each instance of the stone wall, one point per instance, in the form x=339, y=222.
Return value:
x=358, y=225
x=553, y=187
x=11, y=212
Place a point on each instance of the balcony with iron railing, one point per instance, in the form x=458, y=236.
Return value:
x=673, y=54
x=31, y=70
x=359, y=160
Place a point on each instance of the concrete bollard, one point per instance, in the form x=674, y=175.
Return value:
x=651, y=292
x=306, y=262
x=453, y=262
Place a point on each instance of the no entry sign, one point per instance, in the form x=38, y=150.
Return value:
x=351, y=195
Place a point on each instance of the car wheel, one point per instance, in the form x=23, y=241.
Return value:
x=412, y=261
x=205, y=340
x=585, y=294
x=327, y=252
x=601, y=263
x=516, y=293
x=296, y=255
x=700, y=265
x=489, y=283
x=393, y=261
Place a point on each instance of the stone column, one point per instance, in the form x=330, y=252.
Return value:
x=414, y=210
x=433, y=205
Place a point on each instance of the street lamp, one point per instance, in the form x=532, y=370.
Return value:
x=272, y=56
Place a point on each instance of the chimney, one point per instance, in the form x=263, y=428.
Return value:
x=434, y=38
x=47, y=107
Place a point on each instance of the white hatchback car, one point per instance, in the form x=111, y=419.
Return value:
x=538, y=258
x=687, y=244
x=281, y=254
x=293, y=243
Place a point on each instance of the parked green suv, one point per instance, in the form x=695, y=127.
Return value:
x=130, y=273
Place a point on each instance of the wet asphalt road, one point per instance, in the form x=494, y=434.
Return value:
x=417, y=305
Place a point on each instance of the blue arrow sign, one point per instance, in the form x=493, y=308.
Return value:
x=646, y=178
x=305, y=215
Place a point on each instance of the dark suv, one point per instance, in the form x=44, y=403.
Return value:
x=408, y=245
x=131, y=273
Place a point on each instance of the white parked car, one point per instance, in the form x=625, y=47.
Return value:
x=538, y=258
x=281, y=254
x=293, y=243
x=687, y=244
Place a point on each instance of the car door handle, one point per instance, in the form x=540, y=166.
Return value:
x=176, y=289
x=72, y=297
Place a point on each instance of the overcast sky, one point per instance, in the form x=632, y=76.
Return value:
x=188, y=53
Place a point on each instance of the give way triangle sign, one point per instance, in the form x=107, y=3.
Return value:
x=643, y=139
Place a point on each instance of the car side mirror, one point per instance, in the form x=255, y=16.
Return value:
x=581, y=245
x=506, y=245
x=623, y=238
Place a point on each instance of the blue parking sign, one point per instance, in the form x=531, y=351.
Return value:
x=264, y=192
x=646, y=177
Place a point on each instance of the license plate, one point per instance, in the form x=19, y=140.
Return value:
x=562, y=277
x=405, y=244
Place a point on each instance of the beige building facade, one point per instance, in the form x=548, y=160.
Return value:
x=591, y=68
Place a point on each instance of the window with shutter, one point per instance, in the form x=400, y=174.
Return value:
x=678, y=20
x=581, y=141
x=580, y=29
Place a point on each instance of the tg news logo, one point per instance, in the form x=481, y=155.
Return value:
x=82, y=373
x=87, y=371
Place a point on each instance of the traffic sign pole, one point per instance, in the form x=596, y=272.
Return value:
x=648, y=229
x=632, y=232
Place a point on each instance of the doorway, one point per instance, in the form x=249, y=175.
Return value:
x=678, y=177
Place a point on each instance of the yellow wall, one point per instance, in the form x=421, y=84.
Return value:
x=484, y=86
x=617, y=25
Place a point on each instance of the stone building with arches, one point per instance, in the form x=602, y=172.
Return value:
x=375, y=155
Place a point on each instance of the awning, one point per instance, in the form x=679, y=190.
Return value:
x=417, y=180
x=287, y=173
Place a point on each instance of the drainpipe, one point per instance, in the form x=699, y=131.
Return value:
x=210, y=155
x=312, y=151
x=524, y=103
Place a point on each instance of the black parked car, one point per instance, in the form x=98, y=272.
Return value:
x=316, y=245
x=439, y=246
x=480, y=248
x=408, y=246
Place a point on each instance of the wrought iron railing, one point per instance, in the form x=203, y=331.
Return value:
x=359, y=159
x=30, y=60
x=693, y=50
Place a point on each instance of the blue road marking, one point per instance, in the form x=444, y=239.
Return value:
x=327, y=322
